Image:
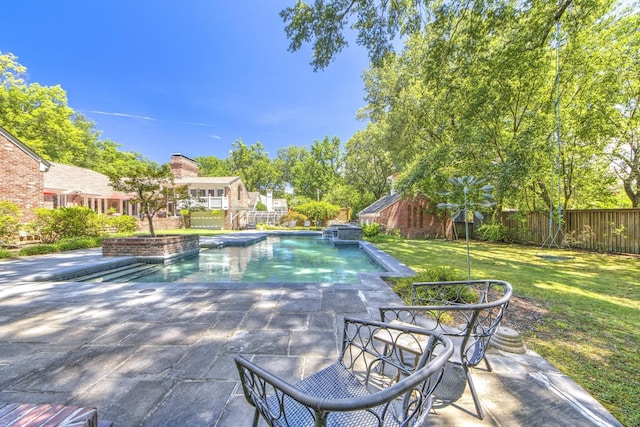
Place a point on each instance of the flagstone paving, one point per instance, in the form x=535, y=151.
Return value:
x=162, y=354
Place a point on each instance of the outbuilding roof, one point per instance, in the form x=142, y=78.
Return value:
x=380, y=204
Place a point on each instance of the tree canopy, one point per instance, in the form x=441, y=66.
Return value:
x=41, y=117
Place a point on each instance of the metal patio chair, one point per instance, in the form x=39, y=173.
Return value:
x=374, y=381
x=468, y=312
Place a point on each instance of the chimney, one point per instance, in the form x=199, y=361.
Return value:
x=269, y=203
x=182, y=166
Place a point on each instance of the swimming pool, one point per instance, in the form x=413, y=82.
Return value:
x=276, y=259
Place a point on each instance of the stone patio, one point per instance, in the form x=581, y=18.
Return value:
x=162, y=354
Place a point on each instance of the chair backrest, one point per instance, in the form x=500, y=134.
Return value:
x=385, y=376
x=468, y=312
x=395, y=361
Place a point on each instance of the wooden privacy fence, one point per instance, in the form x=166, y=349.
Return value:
x=603, y=230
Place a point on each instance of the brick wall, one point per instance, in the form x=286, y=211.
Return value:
x=162, y=246
x=21, y=181
x=170, y=223
x=412, y=218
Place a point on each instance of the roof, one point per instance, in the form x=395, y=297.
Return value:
x=381, y=204
x=207, y=180
x=74, y=179
x=44, y=164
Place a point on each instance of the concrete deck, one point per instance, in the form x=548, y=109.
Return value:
x=162, y=354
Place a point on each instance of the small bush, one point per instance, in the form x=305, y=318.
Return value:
x=9, y=221
x=37, y=250
x=122, y=224
x=371, y=230
x=5, y=254
x=493, y=232
x=79, y=243
x=402, y=286
x=293, y=216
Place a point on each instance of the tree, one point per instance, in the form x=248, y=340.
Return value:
x=368, y=163
x=623, y=46
x=348, y=196
x=320, y=171
x=212, y=166
x=254, y=166
x=286, y=160
x=41, y=117
x=153, y=187
x=378, y=23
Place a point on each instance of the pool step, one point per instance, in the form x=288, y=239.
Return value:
x=128, y=272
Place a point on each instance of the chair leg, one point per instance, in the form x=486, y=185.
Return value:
x=256, y=418
x=476, y=400
x=487, y=364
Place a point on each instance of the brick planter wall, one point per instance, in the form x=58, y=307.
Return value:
x=152, y=249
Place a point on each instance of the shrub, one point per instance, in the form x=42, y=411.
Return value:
x=371, y=230
x=402, y=286
x=9, y=221
x=493, y=232
x=293, y=216
x=318, y=211
x=78, y=243
x=56, y=224
x=122, y=224
x=5, y=254
x=37, y=250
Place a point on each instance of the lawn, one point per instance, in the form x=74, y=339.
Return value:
x=590, y=304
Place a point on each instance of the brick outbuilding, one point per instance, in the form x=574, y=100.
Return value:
x=410, y=216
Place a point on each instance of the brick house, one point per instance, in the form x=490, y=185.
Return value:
x=21, y=174
x=409, y=215
x=227, y=195
x=67, y=186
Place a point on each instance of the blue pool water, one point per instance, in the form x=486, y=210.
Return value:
x=278, y=259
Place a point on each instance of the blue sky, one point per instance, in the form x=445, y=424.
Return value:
x=189, y=76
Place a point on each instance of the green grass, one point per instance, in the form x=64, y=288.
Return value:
x=591, y=330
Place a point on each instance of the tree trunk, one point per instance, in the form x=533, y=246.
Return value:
x=150, y=219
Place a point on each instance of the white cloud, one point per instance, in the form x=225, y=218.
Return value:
x=215, y=137
x=197, y=124
x=131, y=116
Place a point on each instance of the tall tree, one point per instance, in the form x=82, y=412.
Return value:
x=212, y=166
x=286, y=160
x=41, y=117
x=253, y=164
x=320, y=171
x=368, y=162
x=623, y=46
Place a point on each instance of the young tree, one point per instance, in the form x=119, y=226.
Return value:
x=153, y=187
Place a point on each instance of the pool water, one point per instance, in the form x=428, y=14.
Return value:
x=277, y=259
